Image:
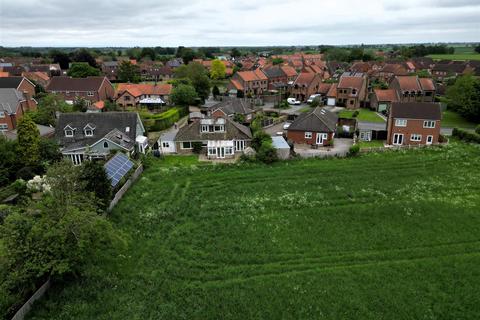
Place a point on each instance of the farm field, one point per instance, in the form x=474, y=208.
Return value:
x=455, y=56
x=394, y=235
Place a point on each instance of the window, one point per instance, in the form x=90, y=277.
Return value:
x=429, y=124
x=105, y=145
x=308, y=135
x=186, y=145
x=88, y=132
x=2, y=114
x=429, y=139
x=3, y=127
x=212, y=151
x=165, y=145
x=351, y=102
x=416, y=137
x=204, y=128
x=126, y=98
x=90, y=93
x=67, y=93
x=400, y=123
x=218, y=128
x=68, y=133
x=229, y=150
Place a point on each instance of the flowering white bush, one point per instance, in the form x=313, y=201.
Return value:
x=38, y=184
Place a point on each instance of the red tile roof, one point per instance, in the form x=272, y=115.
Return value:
x=427, y=84
x=289, y=71
x=389, y=95
x=236, y=84
x=137, y=90
x=305, y=78
x=255, y=75
x=332, y=93
x=409, y=83
x=324, y=88
x=351, y=82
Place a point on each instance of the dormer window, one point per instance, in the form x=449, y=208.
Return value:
x=204, y=128
x=69, y=131
x=88, y=130
x=90, y=93
x=219, y=128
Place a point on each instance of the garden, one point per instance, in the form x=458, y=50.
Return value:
x=393, y=235
x=361, y=115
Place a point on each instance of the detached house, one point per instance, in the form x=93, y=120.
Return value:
x=13, y=104
x=305, y=85
x=277, y=79
x=352, y=90
x=249, y=82
x=231, y=107
x=220, y=137
x=413, y=88
x=381, y=100
x=85, y=136
x=21, y=84
x=414, y=123
x=316, y=128
x=134, y=95
x=91, y=89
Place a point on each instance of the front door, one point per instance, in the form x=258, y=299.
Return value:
x=398, y=138
x=321, y=137
x=221, y=152
x=429, y=139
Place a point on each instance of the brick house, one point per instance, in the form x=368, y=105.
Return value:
x=352, y=90
x=249, y=82
x=13, y=104
x=381, y=100
x=21, y=84
x=221, y=137
x=231, y=107
x=316, y=128
x=414, y=123
x=290, y=72
x=277, y=79
x=134, y=95
x=413, y=88
x=305, y=85
x=91, y=89
x=110, y=69
x=443, y=71
x=37, y=77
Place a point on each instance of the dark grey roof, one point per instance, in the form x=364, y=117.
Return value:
x=105, y=124
x=233, y=130
x=416, y=110
x=45, y=131
x=9, y=100
x=274, y=72
x=10, y=82
x=317, y=120
x=454, y=68
x=233, y=106
x=375, y=126
x=110, y=63
x=75, y=84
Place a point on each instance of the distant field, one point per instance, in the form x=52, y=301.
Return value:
x=394, y=235
x=459, y=57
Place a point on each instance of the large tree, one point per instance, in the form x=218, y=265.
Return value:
x=95, y=178
x=82, y=70
x=464, y=97
x=9, y=163
x=183, y=95
x=61, y=58
x=128, y=72
x=83, y=55
x=28, y=142
x=198, y=76
x=47, y=108
x=218, y=70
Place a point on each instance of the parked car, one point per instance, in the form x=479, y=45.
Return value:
x=313, y=97
x=293, y=101
x=286, y=125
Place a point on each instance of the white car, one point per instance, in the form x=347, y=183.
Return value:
x=286, y=125
x=293, y=101
x=313, y=97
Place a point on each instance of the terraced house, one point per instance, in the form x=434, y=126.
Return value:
x=248, y=83
x=91, y=89
x=414, y=89
x=305, y=85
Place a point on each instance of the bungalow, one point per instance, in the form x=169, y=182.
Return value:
x=305, y=85
x=414, y=123
x=316, y=127
x=219, y=138
x=83, y=136
x=381, y=100
x=91, y=89
x=13, y=104
x=249, y=82
x=413, y=88
x=134, y=95
x=352, y=90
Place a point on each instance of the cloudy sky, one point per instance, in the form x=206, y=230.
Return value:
x=235, y=22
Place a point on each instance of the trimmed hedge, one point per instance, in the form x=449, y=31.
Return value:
x=466, y=135
x=164, y=120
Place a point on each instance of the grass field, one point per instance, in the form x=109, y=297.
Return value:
x=371, y=144
x=364, y=115
x=451, y=119
x=455, y=56
x=394, y=235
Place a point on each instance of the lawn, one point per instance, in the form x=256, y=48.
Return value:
x=451, y=119
x=394, y=235
x=455, y=56
x=371, y=144
x=364, y=115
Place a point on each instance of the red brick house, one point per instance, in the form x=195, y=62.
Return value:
x=13, y=104
x=352, y=90
x=134, y=95
x=413, y=88
x=381, y=100
x=290, y=72
x=414, y=123
x=316, y=128
x=305, y=85
x=91, y=89
x=249, y=82
x=21, y=84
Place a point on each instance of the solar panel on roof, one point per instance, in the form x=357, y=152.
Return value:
x=117, y=168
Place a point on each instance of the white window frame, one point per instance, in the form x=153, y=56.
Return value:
x=429, y=124
x=416, y=137
x=401, y=122
x=165, y=144
x=431, y=139
x=204, y=128
x=67, y=134
x=228, y=151
x=3, y=127
x=2, y=114
x=90, y=93
x=398, y=135
x=308, y=135
x=88, y=132
x=182, y=145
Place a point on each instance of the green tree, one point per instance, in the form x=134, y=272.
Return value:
x=82, y=70
x=95, y=180
x=80, y=105
x=28, y=142
x=188, y=55
x=215, y=91
x=61, y=58
x=128, y=72
x=148, y=52
x=477, y=48
x=464, y=97
x=198, y=77
x=9, y=163
x=236, y=53
x=47, y=108
x=218, y=70
x=49, y=151
x=276, y=61
x=84, y=55
x=183, y=95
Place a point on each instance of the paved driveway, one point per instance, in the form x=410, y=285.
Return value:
x=340, y=149
x=275, y=128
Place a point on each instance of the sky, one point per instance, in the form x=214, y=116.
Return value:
x=127, y=23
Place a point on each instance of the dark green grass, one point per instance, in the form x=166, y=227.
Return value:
x=394, y=235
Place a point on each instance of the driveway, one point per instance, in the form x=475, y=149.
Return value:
x=340, y=149
x=275, y=128
x=294, y=109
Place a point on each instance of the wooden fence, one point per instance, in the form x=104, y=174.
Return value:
x=22, y=312
x=125, y=187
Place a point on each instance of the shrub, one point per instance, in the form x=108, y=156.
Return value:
x=267, y=153
x=477, y=129
x=466, y=135
x=354, y=150
x=259, y=138
x=197, y=147
x=355, y=114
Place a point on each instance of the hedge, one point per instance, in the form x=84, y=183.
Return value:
x=164, y=120
x=466, y=135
